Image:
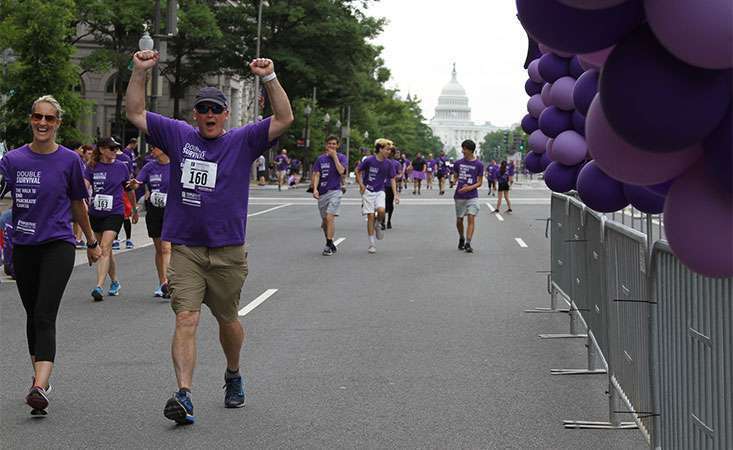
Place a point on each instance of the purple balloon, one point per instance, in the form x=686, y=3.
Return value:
x=660, y=189
x=529, y=124
x=552, y=67
x=594, y=60
x=535, y=106
x=569, y=148
x=561, y=93
x=548, y=148
x=591, y=4
x=545, y=94
x=627, y=163
x=576, y=70
x=533, y=71
x=533, y=162
x=657, y=102
x=586, y=87
x=579, y=123
x=545, y=49
x=643, y=199
x=561, y=178
x=576, y=30
x=545, y=160
x=532, y=88
x=698, y=221
x=599, y=191
x=538, y=142
x=554, y=121
x=698, y=33
x=719, y=155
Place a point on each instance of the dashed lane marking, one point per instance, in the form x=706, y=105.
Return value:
x=521, y=242
x=256, y=302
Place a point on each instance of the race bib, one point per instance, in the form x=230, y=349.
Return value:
x=158, y=199
x=103, y=202
x=198, y=174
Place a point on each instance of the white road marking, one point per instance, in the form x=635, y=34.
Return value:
x=256, y=302
x=499, y=217
x=268, y=210
x=521, y=242
x=338, y=241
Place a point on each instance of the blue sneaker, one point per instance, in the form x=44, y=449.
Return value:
x=179, y=409
x=234, y=394
x=114, y=288
x=97, y=294
x=115, y=245
x=129, y=244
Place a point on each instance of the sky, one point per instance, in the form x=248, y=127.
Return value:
x=483, y=37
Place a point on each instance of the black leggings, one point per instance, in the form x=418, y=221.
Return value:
x=41, y=273
x=389, y=200
x=127, y=225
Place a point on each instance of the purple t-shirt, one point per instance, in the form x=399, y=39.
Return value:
x=467, y=172
x=510, y=169
x=491, y=171
x=431, y=165
x=155, y=176
x=397, y=170
x=282, y=162
x=375, y=173
x=209, y=180
x=42, y=188
x=108, y=182
x=330, y=179
x=441, y=165
x=127, y=161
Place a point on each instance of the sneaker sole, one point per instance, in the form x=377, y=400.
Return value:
x=176, y=412
x=234, y=405
x=36, y=401
x=98, y=297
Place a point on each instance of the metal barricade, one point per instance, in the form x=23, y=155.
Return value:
x=597, y=316
x=694, y=351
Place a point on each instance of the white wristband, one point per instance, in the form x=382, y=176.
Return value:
x=268, y=77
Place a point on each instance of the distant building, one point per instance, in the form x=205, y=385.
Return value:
x=452, y=120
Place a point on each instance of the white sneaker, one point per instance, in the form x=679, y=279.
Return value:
x=379, y=231
x=372, y=249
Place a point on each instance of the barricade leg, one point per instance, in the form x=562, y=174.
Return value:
x=613, y=423
x=595, y=361
x=553, y=300
x=576, y=327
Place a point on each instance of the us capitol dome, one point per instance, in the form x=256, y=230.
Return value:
x=452, y=120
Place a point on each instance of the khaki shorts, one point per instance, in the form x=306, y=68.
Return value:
x=468, y=206
x=214, y=276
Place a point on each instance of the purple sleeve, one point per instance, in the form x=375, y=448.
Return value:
x=4, y=169
x=257, y=137
x=77, y=188
x=344, y=162
x=480, y=169
x=88, y=174
x=143, y=175
x=362, y=165
x=163, y=131
x=314, y=167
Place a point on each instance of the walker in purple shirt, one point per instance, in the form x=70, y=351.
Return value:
x=375, y=173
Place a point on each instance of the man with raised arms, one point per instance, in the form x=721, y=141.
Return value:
x=206, y=216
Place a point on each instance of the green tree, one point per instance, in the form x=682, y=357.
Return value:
x=195, y=50
x=116, y=28
x=40, y=32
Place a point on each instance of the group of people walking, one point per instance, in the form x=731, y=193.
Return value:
x=196, y=190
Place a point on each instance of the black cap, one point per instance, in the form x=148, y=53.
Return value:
x=108, y=142
x=211, y=94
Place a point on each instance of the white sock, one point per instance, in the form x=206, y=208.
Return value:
x=372, y=240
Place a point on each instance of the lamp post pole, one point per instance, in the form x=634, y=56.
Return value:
x=257, y=55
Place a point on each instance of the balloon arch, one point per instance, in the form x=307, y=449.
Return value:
x=630, y=103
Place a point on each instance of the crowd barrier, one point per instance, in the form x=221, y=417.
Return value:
x=662, y=334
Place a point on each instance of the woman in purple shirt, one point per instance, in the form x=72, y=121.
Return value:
x=155, y=175
x=109, y=180
x=48, y=193
x=504, y=177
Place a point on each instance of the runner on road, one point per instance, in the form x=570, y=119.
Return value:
x=327, y=172
x=418, y=173
x=261, y=170
x=47, y=187
x=130, y=202
x=491, y=173
x=430, y=170
x=282, y=163
x=109, y=180
x=441, y=171
x=389, y=193
x=206, y=216
x=467, y=176
x=371, y=175
x=155, y=175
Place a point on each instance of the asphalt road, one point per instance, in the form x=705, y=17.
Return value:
x=417, y=346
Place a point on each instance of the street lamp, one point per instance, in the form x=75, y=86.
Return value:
x=8, y=57
x=263, y=3
x=307, y=113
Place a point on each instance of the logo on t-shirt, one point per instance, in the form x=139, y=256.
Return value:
x=192, y=151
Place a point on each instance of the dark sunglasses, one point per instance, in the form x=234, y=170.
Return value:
x=36, y=117
x=203, y=108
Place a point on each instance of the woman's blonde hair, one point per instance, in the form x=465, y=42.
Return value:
x=382, y=142
x=51, y=100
